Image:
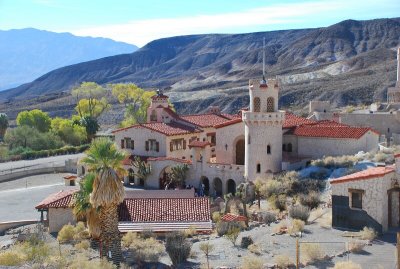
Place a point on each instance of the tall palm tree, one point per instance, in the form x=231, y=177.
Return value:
x=82, y=208
x=104, y=160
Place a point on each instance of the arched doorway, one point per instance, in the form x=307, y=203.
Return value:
x=394, y=206
x=217, y=183
x=204, y=181
x=239, y=148
x=164, y=179
x=231, y=186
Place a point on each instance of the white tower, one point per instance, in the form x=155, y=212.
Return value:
x=263, y=129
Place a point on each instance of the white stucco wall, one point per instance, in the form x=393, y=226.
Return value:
x=228, y=135
x=58, y=217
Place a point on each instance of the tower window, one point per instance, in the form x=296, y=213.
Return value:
x=284, y=147
x=270, y=104
x=257, y=104
x=258, y=168
x=289, y=147
x=153, y=116
x=268, y=149
x=248, y=140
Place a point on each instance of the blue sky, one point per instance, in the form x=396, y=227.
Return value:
x=138, y=22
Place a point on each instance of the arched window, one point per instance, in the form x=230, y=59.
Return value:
x=258, y=168
x=268, y=149
x=289, y=147
x=153, y=116
x=284, y=147
x=270, y=104
x=248, y=139
x=256, y=104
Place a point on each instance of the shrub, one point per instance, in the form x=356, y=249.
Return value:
x=143, y=249
x=83, y=245
x=278, y=202
x=147, y=233
x=83, y=262
x=252, y=262
x=336, y=162
x=255, y=249
x=296, y=226
x=216, y=217
x=223, y=227
x=207, y=248
x=11, y=257
x=347, y=265
x=177, y=247
x=312, y=252
x=356, y=246
x=299, y=212
x=283, y=261
x=311, y=200
x=368, y=234
x=246, y=242
x=267, y=217
x=272, y=188
x=190, y=232
x=129, y=238
x=232, y=234
x=66, y=233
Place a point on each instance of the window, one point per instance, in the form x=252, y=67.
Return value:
x=284, y=147
x=128, y=143
x=152, y=145
x=248, y=140
x=289, y=147
x=177, y=144
x=122, y=143
x=270, y=104
x=356, y=198
x=193, y=138
x=153, y=116
x=212, y=138
x=258, y=168
x=268, y=149
x=257, y=104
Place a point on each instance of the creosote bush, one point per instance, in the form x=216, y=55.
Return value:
x=232, y=234
x=223, y=227
x=368, y=234
x=83, y=245
x=312, y=252
x=246, y=241
x=252, y=262
x=356, y=246
x=216, y=217
x=283, y=261
x=347, y=265
x=255, y=249
x=267, y=217
x=66, y=234
x=278, y=202
x=296, y=226
x=143, y=249
x=177, y=247
x=299, y=212
x=311, y=200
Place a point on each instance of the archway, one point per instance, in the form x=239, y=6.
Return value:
x=239, y=152
x=204, y=181
x=217, y=183
x=231, y=186
x=394, y=207
x=164, y=179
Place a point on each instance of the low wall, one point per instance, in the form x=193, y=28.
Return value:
x=4, y=226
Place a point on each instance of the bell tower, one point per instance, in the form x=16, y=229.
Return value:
x=263, y=129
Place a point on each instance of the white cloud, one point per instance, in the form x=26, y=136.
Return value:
x=142, y=31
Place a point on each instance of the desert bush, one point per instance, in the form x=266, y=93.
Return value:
x=336, y=162
x=216, y=217
x=296, y=226
x=147, y=233
x=246, y=242
x=11, y=257
x=272, y=188
x=347, y=265
x=311, y=200
x=252, y=262
x=255, y=249
x=83, y=262
x=143, y=249
x=312, y=252
x=281, y=226
x=232, y=234
x=66, y=234
x=299, y=212
x=283, y=261
x=355, y=246
x=177, y=247
x=129, y=238
x=223, y=227
x=267, y=217
x=207, y=248
x=368, y=234
x=383, y=157
x=83, y=245
x=190, y=232
x=278, y=202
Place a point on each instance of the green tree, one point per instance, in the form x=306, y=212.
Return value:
x=91, y=126
x=135, y=100
x=104, y=160
x=143, y=169
x=69, y=132
x=34, y=118
x=178, y=175
x=3, y=125
x=91, y=101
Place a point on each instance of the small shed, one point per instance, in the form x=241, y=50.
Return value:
x=70, y=180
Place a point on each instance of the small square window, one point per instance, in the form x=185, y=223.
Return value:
x=356, y=198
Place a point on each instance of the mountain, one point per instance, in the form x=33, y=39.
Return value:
x=350, y=62
x=28, y=53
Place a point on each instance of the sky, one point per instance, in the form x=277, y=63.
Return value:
x=139, y=22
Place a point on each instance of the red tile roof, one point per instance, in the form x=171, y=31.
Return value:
x=232, y=217
x=292, y=120
x=199, y=144
x=331, y=131
x=154, y=159
x=57, y=200
x=208, y=120
x=227, y=123
x=168, y=129
x=397, y=155
x=165, y=210
x=374, y=172
x=185, y=193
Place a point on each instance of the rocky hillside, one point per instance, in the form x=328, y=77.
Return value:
x=350, y=62
x=27, y=54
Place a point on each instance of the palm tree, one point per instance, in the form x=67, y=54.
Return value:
x=3, y=125
x=82, y=208
x=104, y=160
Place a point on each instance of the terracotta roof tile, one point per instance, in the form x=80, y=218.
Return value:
x=185, y=193
x=227, y=123
x=232, y=217
x=374, y=172
x=292, y=120
x=165, y=210
x=168, y=129
x=154, y=159
x=56, y=200
x=330, y=131
x=208, y=120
